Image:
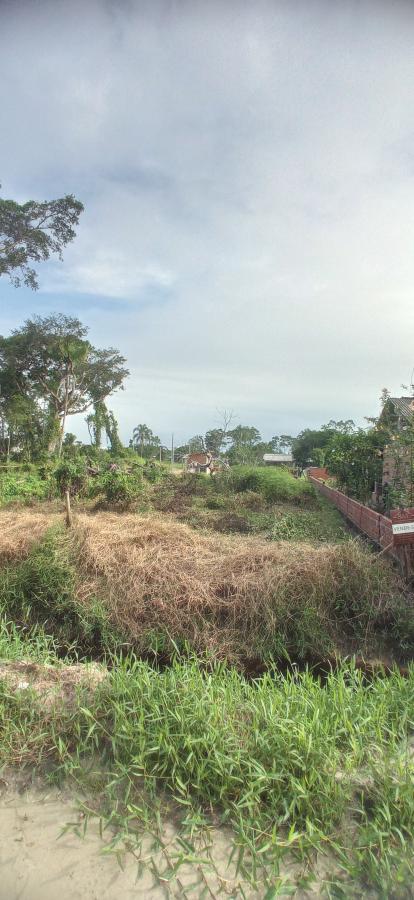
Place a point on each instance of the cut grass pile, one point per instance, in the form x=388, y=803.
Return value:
x=20, y=530
x=292, y=766
x=235, y=598
x=153, y=585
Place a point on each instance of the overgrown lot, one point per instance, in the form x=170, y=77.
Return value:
x=244, y=500
x=158, y=585
x=204, y=704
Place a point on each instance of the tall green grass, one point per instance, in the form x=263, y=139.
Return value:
x=293, y=766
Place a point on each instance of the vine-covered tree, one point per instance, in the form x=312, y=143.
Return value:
x=50, y=363
x=101, y=419
x=30, y=232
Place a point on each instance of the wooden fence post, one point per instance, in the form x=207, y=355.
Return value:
x=68, y=510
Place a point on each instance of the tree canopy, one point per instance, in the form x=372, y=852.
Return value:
x=214, y=440
x=30, y=232
x=144, y=440
x=51, y=365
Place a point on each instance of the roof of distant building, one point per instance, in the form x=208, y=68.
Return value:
x=403, y=405
x=278, y=457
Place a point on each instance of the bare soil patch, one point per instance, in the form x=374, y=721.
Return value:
x=51, y=683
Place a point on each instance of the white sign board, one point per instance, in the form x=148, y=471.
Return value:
x=403, y=528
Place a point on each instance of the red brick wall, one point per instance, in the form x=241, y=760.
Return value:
x=317, y=472
x=377, y=527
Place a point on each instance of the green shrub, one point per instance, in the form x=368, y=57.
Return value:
x=23, y=487
x=217, y=501
x=121, y=488
x=275, y=485
x=153, y=472
x=71, y=476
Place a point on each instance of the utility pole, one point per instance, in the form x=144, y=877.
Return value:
x=172, y=449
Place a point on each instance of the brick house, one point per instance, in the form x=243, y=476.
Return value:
x=398, y=456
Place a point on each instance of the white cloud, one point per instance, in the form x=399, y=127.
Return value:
x=109, y=275
x=248, y=177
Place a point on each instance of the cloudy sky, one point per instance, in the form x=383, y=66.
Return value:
x=247, y=171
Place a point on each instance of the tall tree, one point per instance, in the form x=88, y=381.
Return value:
x=214, y=439
x=50, y=362
x=196, y=444
x=281, y=443
x=31, y=232
x=246, y=446
x=141, y=436
x=307, y=442
x=144, y=439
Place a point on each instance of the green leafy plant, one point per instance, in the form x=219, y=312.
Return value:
x=23, y=487
x=71, y=476
x=120, y=488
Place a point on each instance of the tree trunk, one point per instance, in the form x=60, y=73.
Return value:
x=65, y=412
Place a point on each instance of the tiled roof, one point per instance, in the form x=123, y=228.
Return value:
x=404, y=406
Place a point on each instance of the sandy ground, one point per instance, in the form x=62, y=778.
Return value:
x=36, y=863
x=40, y=860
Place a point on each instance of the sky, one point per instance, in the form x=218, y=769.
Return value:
x=247, y=171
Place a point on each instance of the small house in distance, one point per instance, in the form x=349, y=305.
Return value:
x=198, y=462
x=278, y=459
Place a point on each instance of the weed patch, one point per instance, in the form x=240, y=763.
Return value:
x=291, y=766
x=275, y=485
x=40, y=591
x=23, y=487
